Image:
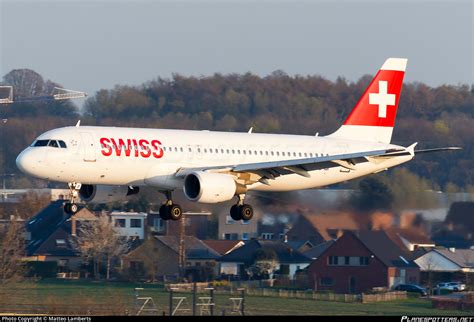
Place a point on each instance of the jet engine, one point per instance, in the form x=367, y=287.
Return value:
x=105, y=193
x=208, y=187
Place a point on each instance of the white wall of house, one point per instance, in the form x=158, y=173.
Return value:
x=295, y=267
x=229, y=268
x=129, y=224
x=433, y=261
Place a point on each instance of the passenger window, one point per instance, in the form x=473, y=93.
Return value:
x=53, y=143
x=62, y=144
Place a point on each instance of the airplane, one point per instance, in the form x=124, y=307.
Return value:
x=105, y=164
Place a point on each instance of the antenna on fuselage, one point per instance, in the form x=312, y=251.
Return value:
x=250, y=130
x=78, y=123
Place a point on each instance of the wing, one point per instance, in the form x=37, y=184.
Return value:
x=272, y=169
x=263, y=171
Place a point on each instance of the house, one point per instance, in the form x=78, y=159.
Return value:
x=317, y=250
x=409, y=238
x=273, y=227
x=129, y=224
x=49, y=236
x=236, y=230
x=300, y=245
x=359, y=261
x=447, y=260
x=223, y=247
x=158, y=258
x=196, y=225
x=458, y=227
x=322, y=227
x=288, y=260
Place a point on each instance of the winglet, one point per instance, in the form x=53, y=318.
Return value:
x=411, y=149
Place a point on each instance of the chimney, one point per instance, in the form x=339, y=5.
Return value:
x=452, y=249
x=73, y=226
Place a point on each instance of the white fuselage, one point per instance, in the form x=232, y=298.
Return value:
x=138, y=162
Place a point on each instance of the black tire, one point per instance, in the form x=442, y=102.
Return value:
x=74, y=208
x=246, y=212
x=235, y=213
x=164, y=213
x=175, y=212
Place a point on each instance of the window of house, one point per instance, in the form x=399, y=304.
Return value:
x=267, y=235
x=229, y=236
x=363, y=261
x=229, y=220
x=245, y=236
x=119, y=222
x=245, y=222
x=60, y=243
x=326, y=281
x=158, y=224
x=333, y=260
x=135, y=223
x=347, y=260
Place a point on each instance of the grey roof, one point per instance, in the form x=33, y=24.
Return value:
x=195, y=248
x=284, y=253
x=317, y=250
x=461, y=257
x=384, y=248
x=297, y=244
x=44, y=224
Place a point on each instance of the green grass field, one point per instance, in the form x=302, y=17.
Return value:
x=80, y=297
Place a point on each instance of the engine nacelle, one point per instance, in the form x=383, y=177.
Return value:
x=208, y=187
x=105, y=193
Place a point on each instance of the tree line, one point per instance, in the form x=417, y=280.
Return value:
x=277, y=103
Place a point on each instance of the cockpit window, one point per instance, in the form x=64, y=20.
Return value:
x=41, y=143
x=50, y=143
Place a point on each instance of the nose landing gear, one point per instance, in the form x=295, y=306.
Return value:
x=71, y=207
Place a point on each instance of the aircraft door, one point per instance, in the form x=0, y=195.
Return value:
x=88, y=147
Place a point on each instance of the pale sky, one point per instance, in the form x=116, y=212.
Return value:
x=89, y=45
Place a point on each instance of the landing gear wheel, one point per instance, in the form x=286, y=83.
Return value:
x=246, y=212
x=175, y=212
x=70, y=208
x=235, y=212
x=164, y=213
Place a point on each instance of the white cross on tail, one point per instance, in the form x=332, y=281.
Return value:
x=382, y=99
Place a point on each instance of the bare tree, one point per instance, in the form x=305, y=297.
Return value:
x=98, y=241
x=12, y=250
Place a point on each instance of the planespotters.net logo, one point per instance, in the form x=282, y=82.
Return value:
x=437, y=319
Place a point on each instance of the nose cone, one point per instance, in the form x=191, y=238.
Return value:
x=25, y=162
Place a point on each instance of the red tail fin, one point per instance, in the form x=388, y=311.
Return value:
x=373, y=117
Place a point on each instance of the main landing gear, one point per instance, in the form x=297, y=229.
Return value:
x=241, y=211
x=170, y=210
x=71, y=207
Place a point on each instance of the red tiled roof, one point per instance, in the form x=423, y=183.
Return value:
x=222, y=246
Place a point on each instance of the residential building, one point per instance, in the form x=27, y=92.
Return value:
x=50, y=233
x=223, y=247
x=230, y=229
x=409, y=238
x=322, y=227
x=359, y=261
x=158, y=258
x=196, y=225
x=447, y=260
x=129, y=224
x=288, y=260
